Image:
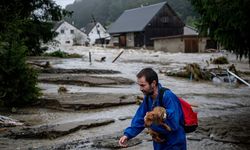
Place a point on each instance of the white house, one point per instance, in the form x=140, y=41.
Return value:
x=97, y=33
x=68, y=34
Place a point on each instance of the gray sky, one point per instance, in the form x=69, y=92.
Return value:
x=63, y=3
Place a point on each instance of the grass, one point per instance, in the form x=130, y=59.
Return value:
x=62, y=54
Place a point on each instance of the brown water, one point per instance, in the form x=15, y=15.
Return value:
x=213, y=99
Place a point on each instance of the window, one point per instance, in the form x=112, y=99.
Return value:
x=72, y=31
x=62, y=31
x=165, y=19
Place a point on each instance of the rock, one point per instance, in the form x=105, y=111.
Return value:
x=54, y=131
x=112, y=142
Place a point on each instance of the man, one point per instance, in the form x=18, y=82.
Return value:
x=173, y=140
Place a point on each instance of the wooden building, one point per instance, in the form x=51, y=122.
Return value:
x=188, y=42
x=136, y=27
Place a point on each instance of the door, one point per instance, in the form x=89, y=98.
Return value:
x=191, y=45
x=122, y=41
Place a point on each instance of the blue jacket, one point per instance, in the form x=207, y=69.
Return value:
x=175, y=139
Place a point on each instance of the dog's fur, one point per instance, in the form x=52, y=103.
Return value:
x=155, y=135
x=156, y=116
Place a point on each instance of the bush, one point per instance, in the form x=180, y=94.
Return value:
x=220, y=60
x=18, y=81
x=62, y=54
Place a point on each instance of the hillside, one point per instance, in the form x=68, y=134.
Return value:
x=107, y=11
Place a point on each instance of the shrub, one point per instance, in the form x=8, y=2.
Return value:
x=18, y=81
x=220, y=60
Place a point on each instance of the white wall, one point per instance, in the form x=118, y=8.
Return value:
x=202, y=44
x=130, y=39
x=114, y=41
x=71, y=35
x=93, y=34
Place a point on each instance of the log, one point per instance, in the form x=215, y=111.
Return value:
x=118, y=56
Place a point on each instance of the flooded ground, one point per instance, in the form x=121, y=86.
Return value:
x=221, y=106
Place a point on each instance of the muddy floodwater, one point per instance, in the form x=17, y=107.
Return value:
x=100, y=100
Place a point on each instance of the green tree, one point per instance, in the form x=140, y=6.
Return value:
x=23, y=26
x=35, y=21
x=227, y=21
x=191, y=21
x=18, y=81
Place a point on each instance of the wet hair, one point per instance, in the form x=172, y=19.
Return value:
x=149, y=74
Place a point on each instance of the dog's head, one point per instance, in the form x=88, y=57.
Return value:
x=149, y=119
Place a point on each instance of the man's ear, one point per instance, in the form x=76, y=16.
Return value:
x=154, y=83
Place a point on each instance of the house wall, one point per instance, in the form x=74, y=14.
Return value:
x=202, y=44
x=174, y=45
x=114, y=41
x=169, y=45
x=93, y=34
x=138, y=39
x=164, y=23
x=70, y=35
x=130, y=40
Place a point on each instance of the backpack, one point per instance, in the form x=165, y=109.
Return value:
x=190, y=117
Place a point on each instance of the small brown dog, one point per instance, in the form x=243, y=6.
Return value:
x=157, y=137
x=156, y=116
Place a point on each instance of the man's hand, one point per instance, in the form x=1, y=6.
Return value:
x=123, y=141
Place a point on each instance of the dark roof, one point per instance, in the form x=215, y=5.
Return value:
x=89, y=27
x=134, y=20
x=57, y=25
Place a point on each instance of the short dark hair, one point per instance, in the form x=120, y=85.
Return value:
x=149, y=74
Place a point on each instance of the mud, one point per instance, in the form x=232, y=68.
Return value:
x=83, y=80
x=75, y=71
x=224, y=132
x=102, y=142
x=54, y=131
x=81, y=101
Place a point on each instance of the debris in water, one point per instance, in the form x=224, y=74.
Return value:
x=9, y=122
x=62, y=90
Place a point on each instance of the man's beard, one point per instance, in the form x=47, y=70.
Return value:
x=149, y=93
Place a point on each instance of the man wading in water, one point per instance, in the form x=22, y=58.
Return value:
x=175, y=139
